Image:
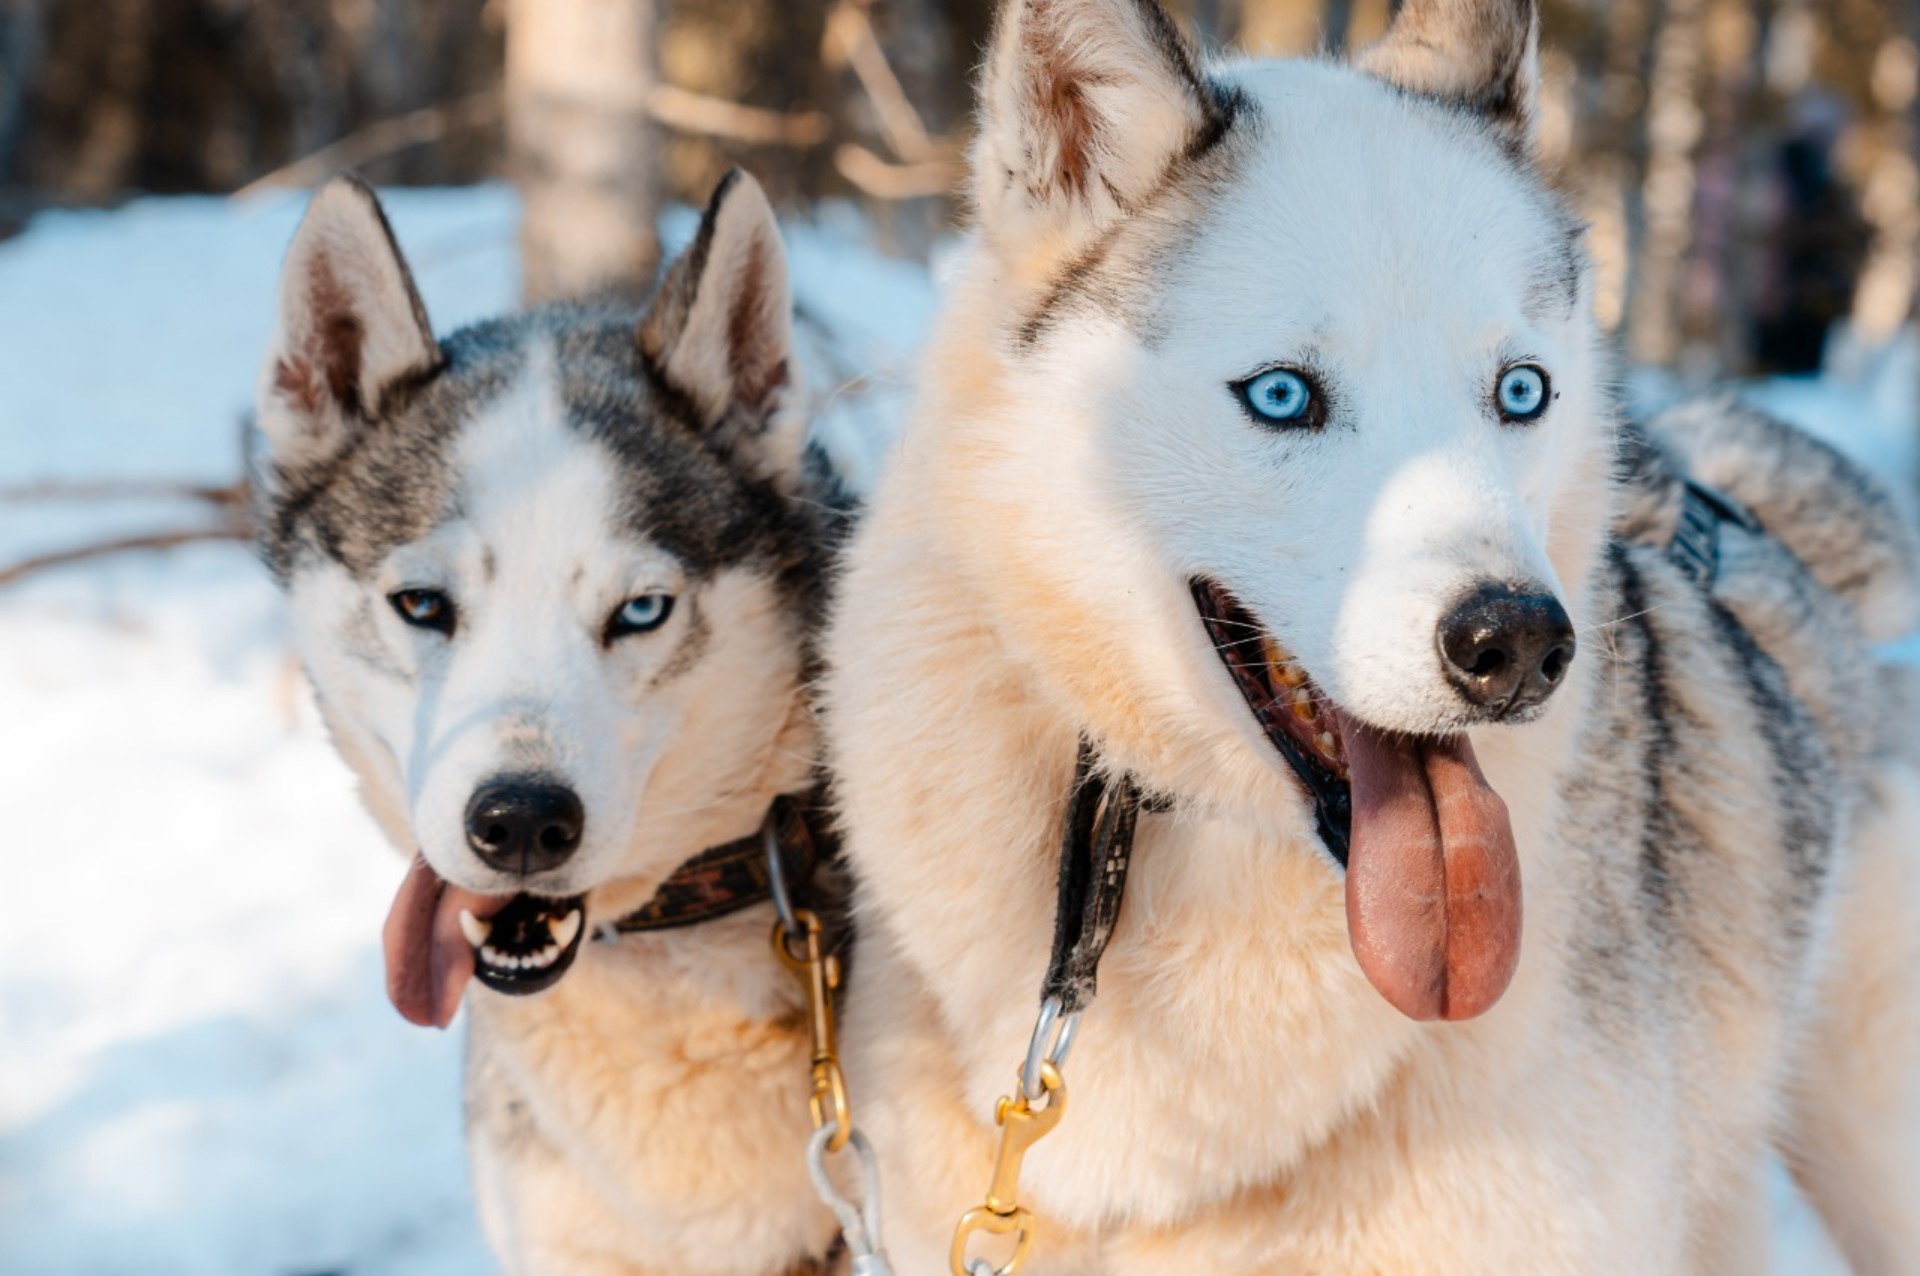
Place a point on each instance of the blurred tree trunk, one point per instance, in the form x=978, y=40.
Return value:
x=932, y=44
x=1714, y=310
x=1609, y=98
x=1336, y=17
x=1272, y=28
x=196, y=95
x=762, y=53
x=1884, y=295
x=1367, y=23
x=904, y=89
x=22, y=35
x=1209, y=20
x=582, y=145
x=1673, y=128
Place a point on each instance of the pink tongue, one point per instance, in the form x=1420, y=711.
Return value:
x=1433, y=883
x=428, y=959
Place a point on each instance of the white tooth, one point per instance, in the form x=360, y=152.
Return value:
x=549, y=954
x=476, y=931
x=567, y=927
x=493, y=956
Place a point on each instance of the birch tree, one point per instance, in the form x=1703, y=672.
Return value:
x=581, y=143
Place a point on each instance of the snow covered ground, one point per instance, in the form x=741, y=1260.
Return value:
x=199, y=1072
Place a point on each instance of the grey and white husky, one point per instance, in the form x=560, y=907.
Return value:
x=553, y=578
x=1264, y=444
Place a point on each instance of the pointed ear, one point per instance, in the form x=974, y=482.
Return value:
x=720, y=331
x=351, y=327
x=1083, y=105
x=1483, y=55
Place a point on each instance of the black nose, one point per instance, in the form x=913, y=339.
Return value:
x=524, y=824
x=1506, y=650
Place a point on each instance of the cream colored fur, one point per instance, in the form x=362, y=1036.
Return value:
x=1240, y=1099
x=646, y=1115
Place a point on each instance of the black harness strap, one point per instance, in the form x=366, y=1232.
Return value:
x=1096, y=846
x=1696, y=538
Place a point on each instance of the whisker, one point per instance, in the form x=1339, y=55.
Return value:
x=1604, y=625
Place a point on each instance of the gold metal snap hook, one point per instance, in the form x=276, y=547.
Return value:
x=1019, y=1224
x=829, y=1103
x=819, y=974
x=1021, y=1126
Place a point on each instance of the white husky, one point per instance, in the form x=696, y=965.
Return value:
x=553, y=577
x=1264, y=446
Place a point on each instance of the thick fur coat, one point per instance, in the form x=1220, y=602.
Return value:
x=1712, y=809
x=572, y=553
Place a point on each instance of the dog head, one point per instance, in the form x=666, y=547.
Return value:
x=1304, y=362
x=549, y=576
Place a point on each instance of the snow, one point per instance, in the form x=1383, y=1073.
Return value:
x=199, y=1071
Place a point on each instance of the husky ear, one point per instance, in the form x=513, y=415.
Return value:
x=720, y=331
x=1482, y=54
x=351, y=327
x=1083, y=105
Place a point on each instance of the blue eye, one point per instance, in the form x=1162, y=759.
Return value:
x=638, y=615
x=424, y=609
x=1281, y=397
x=1522, y=393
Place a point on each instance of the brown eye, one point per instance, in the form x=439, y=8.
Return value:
x=424, y=609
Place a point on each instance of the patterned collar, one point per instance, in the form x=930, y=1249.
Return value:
x=734, y=875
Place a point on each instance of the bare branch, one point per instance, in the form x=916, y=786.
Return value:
x=850, y=38
x=101, y=549
x=692, y=112
x=379, y=139
x=677, y=108
x=231, y=494
x=229, y=501
x=876, y=177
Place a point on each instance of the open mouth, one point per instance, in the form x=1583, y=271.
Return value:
x=528, y=944
x=1432, y=875
x=1299, y=721
x=438, y=936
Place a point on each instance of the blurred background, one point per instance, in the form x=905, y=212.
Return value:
x=1748, y=166
x=199, y=1072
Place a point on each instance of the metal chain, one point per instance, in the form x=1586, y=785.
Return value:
x=818, y=972
x=859, y=1227
x=1047, y=1046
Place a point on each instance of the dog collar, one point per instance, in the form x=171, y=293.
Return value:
x=734, y=875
